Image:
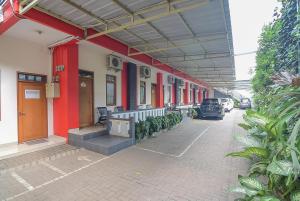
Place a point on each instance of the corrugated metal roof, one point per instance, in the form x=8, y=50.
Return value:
x=202, y=31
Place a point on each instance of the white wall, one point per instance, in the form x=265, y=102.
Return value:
x=93, y=59
x=18, y=55
x=149, y=82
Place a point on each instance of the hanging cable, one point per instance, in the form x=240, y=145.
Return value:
x=245, y=53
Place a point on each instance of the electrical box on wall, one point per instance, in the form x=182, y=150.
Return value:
x=53, y=90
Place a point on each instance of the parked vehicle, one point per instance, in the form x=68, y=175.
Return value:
x=227, y=104
x=212, y=107
x=245, y=103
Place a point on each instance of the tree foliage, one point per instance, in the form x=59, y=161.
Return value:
x=278, y=50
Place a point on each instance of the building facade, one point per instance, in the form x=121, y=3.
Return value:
x=33, y=55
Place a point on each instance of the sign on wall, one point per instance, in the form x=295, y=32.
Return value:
x=32, y=94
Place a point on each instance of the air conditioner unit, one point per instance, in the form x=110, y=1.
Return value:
x=171, y=79
x=114, y=62
x=145, y=72
x=181, y=83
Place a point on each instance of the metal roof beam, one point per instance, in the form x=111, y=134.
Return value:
x=128, y=11
x=159, y=49
x=170, y=7
x=198, y=39
x=195, y=55
x=206, y=67
x=148, y=19
x=80, y=8
x=103, y=20
x=24, y=7
x=144, y=10
x=184, y=59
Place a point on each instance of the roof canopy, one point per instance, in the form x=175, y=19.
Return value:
x=193, y=36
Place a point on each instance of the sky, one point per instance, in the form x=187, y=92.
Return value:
x=248, y=18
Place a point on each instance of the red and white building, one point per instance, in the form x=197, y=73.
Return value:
x=40, y=44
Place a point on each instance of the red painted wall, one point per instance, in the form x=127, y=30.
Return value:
x=124, y=86
x=159, y=91
x=66, y=107
x=186, y=94
x=10, y=16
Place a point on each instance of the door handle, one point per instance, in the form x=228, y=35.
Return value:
x=21, y=114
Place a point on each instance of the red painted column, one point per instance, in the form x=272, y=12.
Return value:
x=10, y=16
x=159, y=91
x=186, y=94
x=124, y=86
x=200, y=95
x=66, y=107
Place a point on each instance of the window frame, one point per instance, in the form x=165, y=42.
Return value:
x=145, y=92
x=115, y=89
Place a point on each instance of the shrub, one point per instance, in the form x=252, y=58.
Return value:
x=138, y=131
x=193, y=113
x=141, y=130
x=155, y=124
x=165, y=122
x=172, y=120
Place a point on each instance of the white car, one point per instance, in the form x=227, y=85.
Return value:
x=227, y=104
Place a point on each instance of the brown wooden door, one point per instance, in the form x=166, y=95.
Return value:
x=86, y=101
x=32, y=111
x=153, y=95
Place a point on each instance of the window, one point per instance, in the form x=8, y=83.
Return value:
x=191, y=94
x=110, y=90
x=142, y=92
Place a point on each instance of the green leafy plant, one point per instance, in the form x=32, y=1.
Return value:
x=142, y=129
x=193, y=113
x=155, y=124
x=165, y=123
x=272, y=143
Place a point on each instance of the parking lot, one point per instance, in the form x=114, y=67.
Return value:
x=186, y=163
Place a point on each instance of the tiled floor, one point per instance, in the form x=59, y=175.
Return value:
x=15, y=149
x=186, y=163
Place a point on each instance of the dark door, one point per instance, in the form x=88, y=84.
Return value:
x=153, y=95
x=86, y=101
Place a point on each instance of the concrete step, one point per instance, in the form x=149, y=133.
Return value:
x=75, y=138
x=107, y=144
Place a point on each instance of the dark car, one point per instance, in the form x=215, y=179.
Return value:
x=245, y=103
x=212, y=107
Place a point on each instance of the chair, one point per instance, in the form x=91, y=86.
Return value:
x=102, y=113
x=119, y=109
x=149, y=107
x=141, y=107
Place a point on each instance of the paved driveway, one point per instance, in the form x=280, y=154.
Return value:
x=186, y=163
